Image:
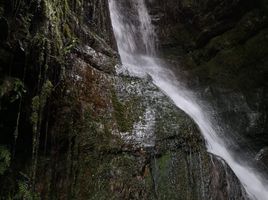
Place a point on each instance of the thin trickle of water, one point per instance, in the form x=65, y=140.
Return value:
x=138, y=63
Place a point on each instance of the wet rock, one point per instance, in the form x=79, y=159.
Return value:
x=98, y=60
x=221, y=45
x=130, y=142
x=263, y=156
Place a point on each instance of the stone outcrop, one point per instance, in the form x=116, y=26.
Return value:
x=119, y=137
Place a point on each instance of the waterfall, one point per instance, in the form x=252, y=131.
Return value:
x=135, y=38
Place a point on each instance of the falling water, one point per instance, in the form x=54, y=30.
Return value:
x=135, y=38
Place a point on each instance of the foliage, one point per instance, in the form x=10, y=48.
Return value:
x=24, y=192
x=38, y=102
x=13, y=87
x=67, y=49
x=19, y=89
x=45, y=93
x=4, y=159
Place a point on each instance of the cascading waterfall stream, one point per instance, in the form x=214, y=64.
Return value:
x=135, y=38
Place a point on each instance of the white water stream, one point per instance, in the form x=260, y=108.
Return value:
x=135, y=38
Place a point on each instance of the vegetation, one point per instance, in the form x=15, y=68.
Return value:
x=5, y=157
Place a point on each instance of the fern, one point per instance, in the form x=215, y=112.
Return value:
x=4, y=159
x=25, y=192
x=19, y=90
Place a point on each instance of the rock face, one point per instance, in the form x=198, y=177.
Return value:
x=119, y=137
x=73, y=128
x=222, y=45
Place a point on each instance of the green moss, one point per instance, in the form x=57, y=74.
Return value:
x=247, y=27
x=53, y=13
x=241, y=66
x=45, y=92
x=235, y=59
x=125, y=123
x=67, y=31
x=162, y=172
x=35, y=112
x=63, y=37
x=172, y=176
x=163, y=161
x=38, y=102
x=67, y=49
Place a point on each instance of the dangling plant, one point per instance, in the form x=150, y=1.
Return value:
x=19, y=90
